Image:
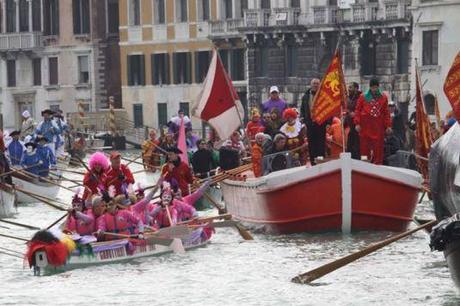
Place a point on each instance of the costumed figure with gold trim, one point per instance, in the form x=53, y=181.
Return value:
x=296, y=133
x=150, y=156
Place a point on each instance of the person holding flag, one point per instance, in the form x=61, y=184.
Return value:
x=372, y=121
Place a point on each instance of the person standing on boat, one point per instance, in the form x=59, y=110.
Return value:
x=95, y=179
x=30, y=159
x=174, y=123
x=202, y=160
x=353, y=136
x=177, y=169
x=64, y=128
x=49, y=129
x=47, y=157
x=295, y=133
x=28, y=125
x=274, y=102
x=15, y=149
x=4, y=164
x=150, y=155
x=118, y=174
x=372, y=120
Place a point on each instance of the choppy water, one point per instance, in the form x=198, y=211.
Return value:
x=230, y=271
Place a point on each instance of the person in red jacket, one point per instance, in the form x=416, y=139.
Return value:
x=372, y=121
x=254, y=126
x=95, y=178
x=177, y=169
x=118, y=175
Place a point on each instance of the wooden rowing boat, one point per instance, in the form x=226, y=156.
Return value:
x=342, y=194
x=34, y=185
x=8, y=202
x=116, y=251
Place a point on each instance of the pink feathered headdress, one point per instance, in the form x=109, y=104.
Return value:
x=98, y=158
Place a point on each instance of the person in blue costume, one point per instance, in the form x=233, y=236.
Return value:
x=64, y=128
x=49, y=129
x=30, y=159
x=46, y=155
x=15, y=149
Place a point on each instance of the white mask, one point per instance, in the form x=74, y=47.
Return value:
x=29, y=150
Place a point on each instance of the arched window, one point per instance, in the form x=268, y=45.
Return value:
x=429, y=100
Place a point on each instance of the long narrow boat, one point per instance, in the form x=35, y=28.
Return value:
x=8, y=202
x=116, y=251
x=34, y=185
x=342, y=194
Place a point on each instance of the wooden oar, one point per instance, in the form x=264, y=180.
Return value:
x=220, y=209
x=39, y=198
x=151, y=239
x=57, y=221
x=207, y=219
x=134, y=160
x=314, y=274
x=71, y=171
x=20, y=224
x=14, y=237
x=44, y=179
x=131, y=161
x=243, y=232
x=67, y=179
x=17, y=169
x=176, y=245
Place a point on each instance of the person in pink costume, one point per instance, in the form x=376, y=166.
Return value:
x=144, y=210
x=160, y=214
x=80, y=220
x=192, y=198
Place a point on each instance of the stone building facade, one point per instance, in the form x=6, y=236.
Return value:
x=57, y=53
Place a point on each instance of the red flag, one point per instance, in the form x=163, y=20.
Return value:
x=422, y=130
x=218, y=103
x=181, y=144
x=452, y=86
x=331, y=94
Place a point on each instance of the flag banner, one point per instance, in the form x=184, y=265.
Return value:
x=181, y=143
x=218, y=102
x=422, y=130
x=437, y=113
x=330, y=97
x=452, y=86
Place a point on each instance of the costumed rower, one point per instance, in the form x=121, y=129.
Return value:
x=118, y=174
x=177, y=169
x=150, y=157
x=160, y=215
x=144, y=210
x=4, y=164
x=28, y=125
x=31, y=160
x=81, y=219
x=372, y=120
x=295, y=132
x=48, y=129
x=46, y=156
x=95, y=179
x=15, y=149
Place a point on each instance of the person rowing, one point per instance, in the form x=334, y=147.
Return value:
x=165, y=211
x=95, y=178
x=81, y=219
x=118, y=174
x=31, y=160
x=47, y=157
x=177, y=169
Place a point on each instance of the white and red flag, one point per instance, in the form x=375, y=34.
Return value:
x=218, y=103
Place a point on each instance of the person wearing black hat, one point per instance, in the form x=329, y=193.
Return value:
x=15, y=148
x=177, y=169
x=47, y=157
x=30, y=159
x=48, y=129
x=372, y=121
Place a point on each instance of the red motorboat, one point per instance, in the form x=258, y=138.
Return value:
x=342, y=194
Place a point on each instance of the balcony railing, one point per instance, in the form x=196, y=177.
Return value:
x=396, y=10
x=323, y=15
x=228, y=26
x=364, y=12
x=257, y=18
x=286, y=16
x=20, y=41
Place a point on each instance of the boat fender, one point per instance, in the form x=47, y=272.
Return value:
x=446, y=232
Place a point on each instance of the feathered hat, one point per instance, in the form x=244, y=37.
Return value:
x=100, y=159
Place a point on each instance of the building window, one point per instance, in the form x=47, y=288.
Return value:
x=291, y=61
x=262, y=62
x=295, y=3
x=430, y=103
x=37, y=70
x=203, y=10
x=185, y=106
x=23, y=16
x=228, y=9
x=159, y=12
x=83, y=69
x=113, y=20
x=134, y=12
x=10, y=16
x=182, y=66
x=53, y=71
x=80, y=16
x=202, y=60
x=237, y=64
x=243, y=7
x=403, y=56
x=430, y=47
x=162, y=114
x=349, y=57
x=265, y=4
x=138, y=115
x=333, y=2
x=51, y=17
x=368, y=58
x=160, y=68
x=11, y=72
x=36, y=15
x=136, y=71
x=181, y=11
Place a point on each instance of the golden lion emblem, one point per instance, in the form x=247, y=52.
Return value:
x=333, y=83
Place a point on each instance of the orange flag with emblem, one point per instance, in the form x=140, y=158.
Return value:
x=422, y=130
x=330, y=97
x=452, y=86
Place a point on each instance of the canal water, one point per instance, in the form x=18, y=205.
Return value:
x=231, y=271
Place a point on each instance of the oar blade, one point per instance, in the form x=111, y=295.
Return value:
x=177, y=246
